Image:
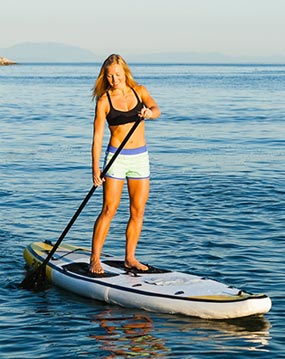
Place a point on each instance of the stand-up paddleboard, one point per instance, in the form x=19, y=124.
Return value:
x=155, y=290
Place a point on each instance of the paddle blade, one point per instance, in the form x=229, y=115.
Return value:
x=36, y=280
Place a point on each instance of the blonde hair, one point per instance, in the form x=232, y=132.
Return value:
x=102, y=85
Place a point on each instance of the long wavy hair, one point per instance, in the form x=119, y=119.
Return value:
x=102, y=85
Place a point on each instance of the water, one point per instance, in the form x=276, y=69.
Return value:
x=216, y=207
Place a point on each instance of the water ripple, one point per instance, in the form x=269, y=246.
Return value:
x=216, y=207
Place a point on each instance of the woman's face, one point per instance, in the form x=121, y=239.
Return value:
x=116, y=76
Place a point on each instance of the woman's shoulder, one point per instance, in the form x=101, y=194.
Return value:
x=103, y=99
x=139, y=87
x=102, y=103
x=141, y=90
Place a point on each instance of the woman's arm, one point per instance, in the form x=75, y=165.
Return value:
x=98, y=133
x=151, y=109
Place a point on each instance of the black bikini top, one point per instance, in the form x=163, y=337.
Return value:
x=117, y=117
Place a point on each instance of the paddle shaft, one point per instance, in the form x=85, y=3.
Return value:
x=86, y=199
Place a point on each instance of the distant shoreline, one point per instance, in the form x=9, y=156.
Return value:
x=54, y=52
x=5, y=62
x=143, y=63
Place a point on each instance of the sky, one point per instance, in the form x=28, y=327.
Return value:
x=231, y=27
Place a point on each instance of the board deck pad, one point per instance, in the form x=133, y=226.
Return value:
x=82, y=268
x=121, y=265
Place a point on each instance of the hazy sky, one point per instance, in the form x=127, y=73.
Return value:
x=232, y=27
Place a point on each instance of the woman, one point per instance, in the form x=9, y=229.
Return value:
x=120, y=100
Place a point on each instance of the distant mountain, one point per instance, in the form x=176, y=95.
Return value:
x=47, y=52
x=58, y=52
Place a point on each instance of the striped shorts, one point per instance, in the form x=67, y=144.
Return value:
x=131, y=163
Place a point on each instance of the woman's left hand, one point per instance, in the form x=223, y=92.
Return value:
x=146, y=113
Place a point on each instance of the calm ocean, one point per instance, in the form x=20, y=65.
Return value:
x=216, y=208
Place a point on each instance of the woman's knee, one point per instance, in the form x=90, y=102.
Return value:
x=109, y=211
x=137, y=213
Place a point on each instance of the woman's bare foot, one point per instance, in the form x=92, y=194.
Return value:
x=95, y=267
x=135, y=264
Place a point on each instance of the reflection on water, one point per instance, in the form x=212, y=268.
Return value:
x=247, y=334
x=129, y=336
x=124, y=334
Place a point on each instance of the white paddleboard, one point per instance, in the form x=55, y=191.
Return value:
x=156, y=290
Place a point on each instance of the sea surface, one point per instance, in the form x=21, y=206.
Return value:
x=216, y=207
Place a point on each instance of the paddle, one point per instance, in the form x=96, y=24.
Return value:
x=36, y=279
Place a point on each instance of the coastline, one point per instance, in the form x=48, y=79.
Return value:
x=4, y=61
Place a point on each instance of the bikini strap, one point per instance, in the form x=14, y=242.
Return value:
x=109, y=99
x=139, y=100
x=110, y=102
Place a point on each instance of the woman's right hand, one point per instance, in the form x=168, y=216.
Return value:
x=97, y=180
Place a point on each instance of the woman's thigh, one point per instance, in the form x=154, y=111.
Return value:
x=138, y=192
x=112, y=192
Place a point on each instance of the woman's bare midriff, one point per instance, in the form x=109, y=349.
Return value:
x=118, y=133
